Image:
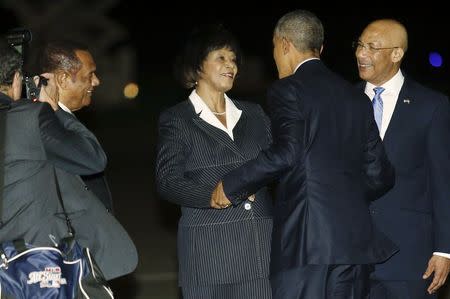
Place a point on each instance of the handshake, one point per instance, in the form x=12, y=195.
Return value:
x=220, y=201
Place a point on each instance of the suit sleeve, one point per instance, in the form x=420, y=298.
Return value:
x=68, y=144
x=288, y=130
x=266, y=121
x=171, y=182
x=379, y=172
x=438, y=155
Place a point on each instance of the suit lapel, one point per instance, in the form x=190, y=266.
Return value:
x=218, y=135
x=404, y=103
x=240, y=130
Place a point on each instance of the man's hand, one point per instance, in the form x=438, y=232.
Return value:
x=440, y=266
x=49, y=93
x=218, y=198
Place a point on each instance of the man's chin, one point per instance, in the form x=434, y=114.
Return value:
x=86, y=102
x=364, y=74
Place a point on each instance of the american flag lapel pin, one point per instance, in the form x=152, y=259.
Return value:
x=407, y=101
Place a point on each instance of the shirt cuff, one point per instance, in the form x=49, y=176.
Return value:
x=447, y=255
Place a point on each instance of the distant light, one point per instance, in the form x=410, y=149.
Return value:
x=435, y=59
x=131, y=90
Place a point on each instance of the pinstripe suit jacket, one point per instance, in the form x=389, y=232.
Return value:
x=214, y=246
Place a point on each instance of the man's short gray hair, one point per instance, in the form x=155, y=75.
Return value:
x=302, y=28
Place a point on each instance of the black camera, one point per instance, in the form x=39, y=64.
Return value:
x=20, y=39
x=32, y=90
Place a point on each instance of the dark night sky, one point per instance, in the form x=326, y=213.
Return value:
x=157, y=34
x=129, y=134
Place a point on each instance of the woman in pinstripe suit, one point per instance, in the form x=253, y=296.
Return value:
x=223, y=251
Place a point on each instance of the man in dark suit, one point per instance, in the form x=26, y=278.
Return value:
x=415, y=127
x=39, y=144
x=329, y=163
x=75, y=73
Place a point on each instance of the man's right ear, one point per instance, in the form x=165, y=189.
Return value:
x=61, y=79
x=286, y=44
x=397, y=54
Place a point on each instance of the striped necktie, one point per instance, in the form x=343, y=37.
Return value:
x=377, y=104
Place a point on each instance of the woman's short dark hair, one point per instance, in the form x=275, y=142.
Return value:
x=200, y=43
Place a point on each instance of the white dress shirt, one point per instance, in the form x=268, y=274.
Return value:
x=64, y=107
x=389, y=97
x=232, y=114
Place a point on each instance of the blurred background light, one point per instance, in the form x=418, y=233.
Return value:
x=435, y=59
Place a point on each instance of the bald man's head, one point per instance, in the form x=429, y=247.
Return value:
x=380, y=51
x=392, y=32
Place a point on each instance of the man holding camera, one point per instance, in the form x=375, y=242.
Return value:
x=39, y=143
x=74, y=70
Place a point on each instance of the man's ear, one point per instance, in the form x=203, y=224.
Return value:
x=286, y=45
x=61, y=79
x=397, y=54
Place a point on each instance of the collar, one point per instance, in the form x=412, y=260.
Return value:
x=392, y=86
x=64, y=107
x=306, y=60
x=202, y=110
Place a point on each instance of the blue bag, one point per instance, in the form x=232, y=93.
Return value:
x=65, y=271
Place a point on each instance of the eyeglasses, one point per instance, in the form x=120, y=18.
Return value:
x=358, y=45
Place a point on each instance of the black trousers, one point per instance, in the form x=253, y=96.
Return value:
x=323, y=282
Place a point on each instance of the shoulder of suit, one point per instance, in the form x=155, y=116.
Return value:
x=424, y=92
x=283, y=83
x=22, y=102
x=306, y=72
x=287, y=85
x=25, y=104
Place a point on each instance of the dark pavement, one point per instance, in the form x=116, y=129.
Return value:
x=129, y=139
